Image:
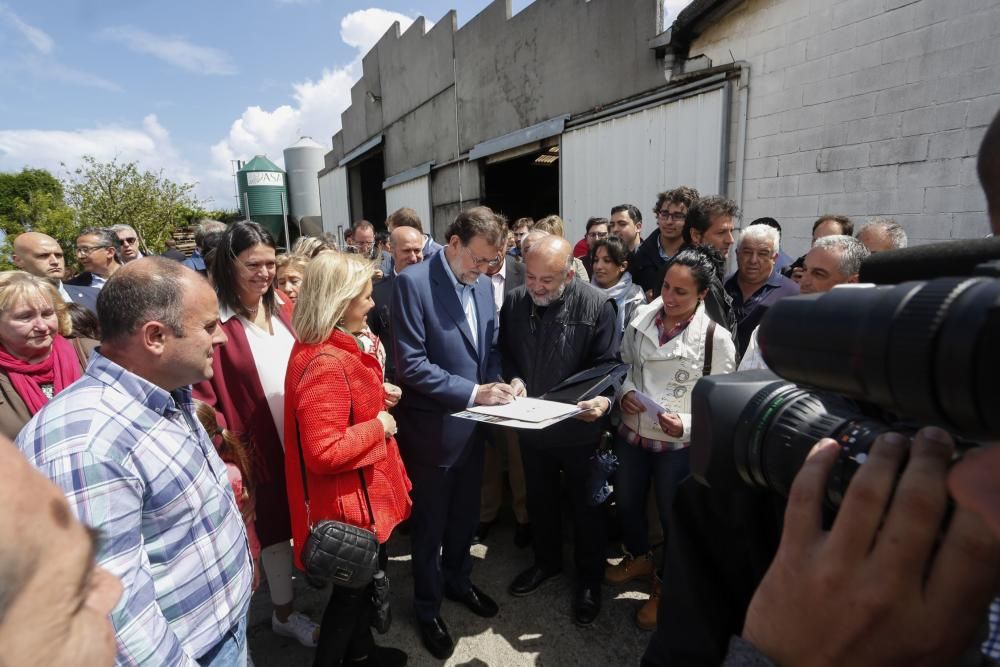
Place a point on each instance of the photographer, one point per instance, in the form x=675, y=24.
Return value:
x=892, y=581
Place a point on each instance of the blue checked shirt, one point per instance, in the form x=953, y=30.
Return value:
x=135, y=464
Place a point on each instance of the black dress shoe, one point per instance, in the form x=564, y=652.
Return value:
x=528, y=581
x=482, y=531
x=522, y=535
x=586, y=604
x=434, y=634
x=383, y=656
x=476, y=601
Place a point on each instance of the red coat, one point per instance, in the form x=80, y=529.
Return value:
x=333, y=394
x=236, y=393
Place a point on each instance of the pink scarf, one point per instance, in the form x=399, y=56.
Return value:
x=60, y=369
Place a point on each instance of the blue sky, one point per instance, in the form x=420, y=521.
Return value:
x=186, y=86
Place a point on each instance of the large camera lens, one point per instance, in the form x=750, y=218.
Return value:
x=923, y=350
x=779, y=426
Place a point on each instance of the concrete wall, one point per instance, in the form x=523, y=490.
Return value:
x=865, y=107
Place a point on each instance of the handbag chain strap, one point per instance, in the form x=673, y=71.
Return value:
x=302, y=460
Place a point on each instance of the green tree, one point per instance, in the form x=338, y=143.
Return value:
x=32, y=200
x=112, y=193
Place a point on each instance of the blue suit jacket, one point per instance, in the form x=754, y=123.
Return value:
x=84, y=295
x=437, y=362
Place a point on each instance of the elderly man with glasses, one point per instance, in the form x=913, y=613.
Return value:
x=97, y=253
x=129, y=242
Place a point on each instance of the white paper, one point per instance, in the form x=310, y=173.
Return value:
x=649, y=417
x=509, y=423
x=533, y=410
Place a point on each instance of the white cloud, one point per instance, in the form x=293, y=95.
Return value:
x=38, y=38
x=316, y=104
x=671, y=8
x=54, y=71
x=176, y=51
x=149, y=145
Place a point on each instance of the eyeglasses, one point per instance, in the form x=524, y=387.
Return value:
x=676, y=217
x=482, y=261
x=85, y=250
x=130, y=240
x=597, y=235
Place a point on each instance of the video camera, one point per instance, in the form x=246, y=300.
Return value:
x=856, y=362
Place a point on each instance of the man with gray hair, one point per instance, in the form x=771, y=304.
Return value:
x=554, y=327
x=881, y=234
x=196, y=261
x=756, y=285
x=833, y=260
x=97, y=251
x=130, y=242
x=124, y=445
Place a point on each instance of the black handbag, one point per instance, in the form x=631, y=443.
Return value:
x=337, y=552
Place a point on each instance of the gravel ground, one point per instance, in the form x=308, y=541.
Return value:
x=536, y=630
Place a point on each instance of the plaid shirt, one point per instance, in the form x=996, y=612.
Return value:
x=134, y=463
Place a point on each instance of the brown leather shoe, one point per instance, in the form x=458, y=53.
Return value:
x=645, y=618
x=628, y=569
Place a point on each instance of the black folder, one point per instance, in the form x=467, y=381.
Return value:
x=588, y=383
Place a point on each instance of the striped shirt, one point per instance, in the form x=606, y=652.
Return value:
x=135, y=464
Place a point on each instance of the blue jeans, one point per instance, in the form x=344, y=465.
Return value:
x=231, y=651
x=636, y=468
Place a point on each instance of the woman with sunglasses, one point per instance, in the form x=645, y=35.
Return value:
x=248, y=391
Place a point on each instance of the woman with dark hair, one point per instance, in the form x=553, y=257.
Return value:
x=609, y=261
x=248, y=392
x=669, y=344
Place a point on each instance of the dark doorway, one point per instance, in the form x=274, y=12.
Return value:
x=372, y=172
x=522, y=187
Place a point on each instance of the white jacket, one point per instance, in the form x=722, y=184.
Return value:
x=668, y=374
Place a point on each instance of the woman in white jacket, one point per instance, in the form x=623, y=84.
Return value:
x=666, y=345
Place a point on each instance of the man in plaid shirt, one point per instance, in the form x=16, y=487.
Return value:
x=123, y=444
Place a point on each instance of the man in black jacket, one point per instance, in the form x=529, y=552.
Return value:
x=710, y=222
x=646, y=264
x=552, y=328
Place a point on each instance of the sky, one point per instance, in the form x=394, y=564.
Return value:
x=185, y=87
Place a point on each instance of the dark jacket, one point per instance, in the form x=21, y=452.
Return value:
x=380, y=322
x=748, y=312
x=646, y=265
x=545, y=346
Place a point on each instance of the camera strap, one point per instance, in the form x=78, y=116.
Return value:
x=709, y=340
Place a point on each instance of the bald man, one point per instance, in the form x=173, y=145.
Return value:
x=41, y=255
x=406, y=246
x=554, y=327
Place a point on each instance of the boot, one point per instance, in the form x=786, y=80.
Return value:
x=629, y=568
x=645, y=618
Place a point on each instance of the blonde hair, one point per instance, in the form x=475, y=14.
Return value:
x=291, y=261
x=309, y=247
x=552, y=224
x=331, y=282
x=17, y=286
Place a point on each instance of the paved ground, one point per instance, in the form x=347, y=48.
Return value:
x=537, y=630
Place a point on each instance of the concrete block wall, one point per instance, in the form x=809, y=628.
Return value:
x=863, y=108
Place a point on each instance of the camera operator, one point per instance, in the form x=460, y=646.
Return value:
x=884, y=586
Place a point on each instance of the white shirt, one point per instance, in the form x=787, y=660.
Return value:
x=498, y=279
x=270, y=356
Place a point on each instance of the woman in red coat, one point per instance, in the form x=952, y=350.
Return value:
x=248, y=391
x=335, y=407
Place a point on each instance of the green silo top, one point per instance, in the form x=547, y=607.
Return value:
x=261, y=163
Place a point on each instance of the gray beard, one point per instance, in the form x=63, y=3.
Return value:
x=544, y=301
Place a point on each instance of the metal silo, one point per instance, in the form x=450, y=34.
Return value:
x=303, y=162
x=263, y=196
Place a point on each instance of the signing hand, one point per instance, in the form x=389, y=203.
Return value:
x=392, y=394
x=593, y=409
x=496, y=393
x=886, y=586
x=520, y=391
x=630, y=406
x=671, y=424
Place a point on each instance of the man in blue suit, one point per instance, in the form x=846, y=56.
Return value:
x=445, y=328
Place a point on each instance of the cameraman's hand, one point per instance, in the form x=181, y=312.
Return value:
x=630, y=406
x=496, y=393
x=879, y=588
x=671, y=424
x=388, y=423
x=392, y=394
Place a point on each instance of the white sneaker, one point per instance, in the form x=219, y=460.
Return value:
x=298, y=626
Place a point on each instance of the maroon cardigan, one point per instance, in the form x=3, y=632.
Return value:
x=237, y=395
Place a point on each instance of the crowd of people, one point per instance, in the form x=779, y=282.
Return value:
x=240, y=395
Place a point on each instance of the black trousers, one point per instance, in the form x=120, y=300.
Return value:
x=542, y=469
x=443, y=522
x=345, y=633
